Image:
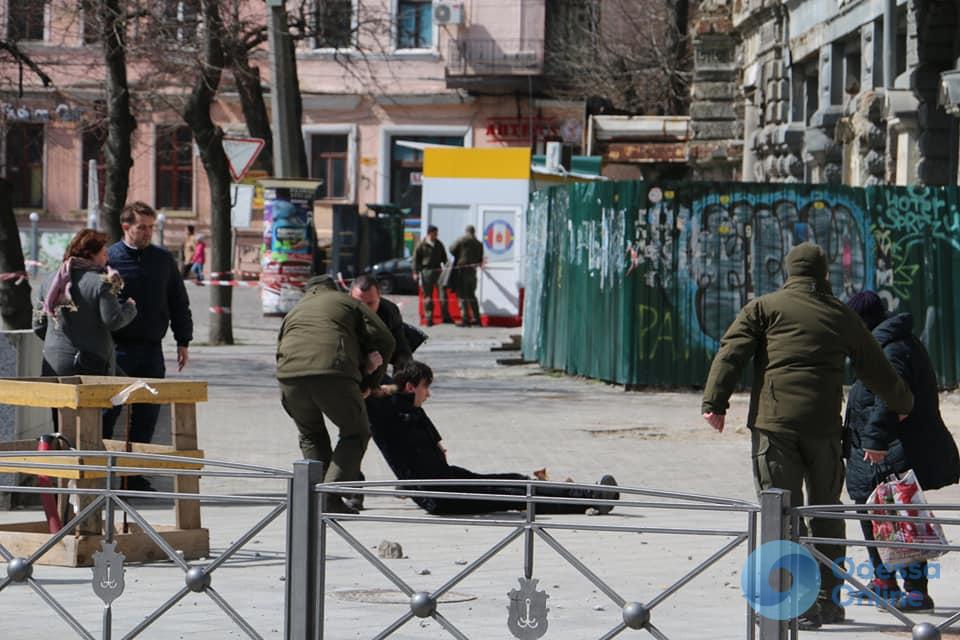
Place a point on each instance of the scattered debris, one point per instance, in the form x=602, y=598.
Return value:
x=390, y=550
x=423, y=572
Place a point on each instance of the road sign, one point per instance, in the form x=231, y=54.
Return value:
x=241, y=152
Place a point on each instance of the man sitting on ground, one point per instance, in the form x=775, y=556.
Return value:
x=412, y=447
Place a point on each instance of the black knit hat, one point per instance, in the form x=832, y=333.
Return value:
x=869, y=306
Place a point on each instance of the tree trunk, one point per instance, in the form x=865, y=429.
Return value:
x=302, y=169
x=254, y=106
x=121, y=124
x=209, y=139
x=14, y=292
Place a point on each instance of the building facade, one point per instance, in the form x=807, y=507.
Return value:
x=820, y=91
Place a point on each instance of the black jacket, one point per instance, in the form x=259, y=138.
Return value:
x=920, y=442
x=391, y=316
x=150, y=276
x=406, y=437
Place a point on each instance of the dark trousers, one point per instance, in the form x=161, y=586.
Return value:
x=467, y=292
x=914, y=575
x=430, y=280
x=463, y=506
x=142, y=360
x=788, y=460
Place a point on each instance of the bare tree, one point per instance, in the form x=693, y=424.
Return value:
x=633, y=53
x=14, y=290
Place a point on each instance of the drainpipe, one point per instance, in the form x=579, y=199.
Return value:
x=889, y=42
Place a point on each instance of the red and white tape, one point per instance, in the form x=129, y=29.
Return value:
x=227, y=283
x=220, y=310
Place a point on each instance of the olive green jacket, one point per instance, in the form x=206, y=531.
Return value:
x=429, y=258
x=799, y=338
x=467, y=251
x=330, y=333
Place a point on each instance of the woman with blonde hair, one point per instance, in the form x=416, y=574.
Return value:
x=79, y=308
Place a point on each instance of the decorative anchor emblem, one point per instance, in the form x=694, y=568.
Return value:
x=108, y=572
x=527, y=622
x=527, y=618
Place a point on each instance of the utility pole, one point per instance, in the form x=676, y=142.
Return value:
x=282, y=115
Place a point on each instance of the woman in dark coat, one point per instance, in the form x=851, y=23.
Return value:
x=880, y=444
x=79, y=309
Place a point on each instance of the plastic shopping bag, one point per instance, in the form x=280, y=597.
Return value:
x=906, y=491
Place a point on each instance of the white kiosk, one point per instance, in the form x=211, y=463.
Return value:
x=488, y=188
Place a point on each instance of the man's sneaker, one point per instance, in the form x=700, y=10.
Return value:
x=609, y=481
x=336, y=505
x=810, y=619
x=914, y=601
x=354, y=501
x=831, y=612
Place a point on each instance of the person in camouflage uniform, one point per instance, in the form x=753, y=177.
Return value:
x=467, y=254
x=428, y=261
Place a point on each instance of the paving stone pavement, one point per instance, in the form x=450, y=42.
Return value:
x=493, y=418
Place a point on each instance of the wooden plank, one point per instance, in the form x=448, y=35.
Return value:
x=76, y=392
x=89, y=437
x=67, y=425
x=97, y=461
x=22, y=539
x=184, y=419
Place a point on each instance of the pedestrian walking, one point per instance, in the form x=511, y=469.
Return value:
x=880, y=445
x=331, y=348
x=798, y=338
x=467, y=254
x=199, y=258
x=413, y=448
x=151, y=277
x=189, y=246
x=366, y=289
x=428, y=260
x=79, y=308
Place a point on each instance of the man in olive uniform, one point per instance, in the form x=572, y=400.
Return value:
x=798, y=338
x=428, y=261
x=331, y=349
x=467, y=254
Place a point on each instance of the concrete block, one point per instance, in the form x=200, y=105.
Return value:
x=714, y=91
x=719, y=130
x=712, y=111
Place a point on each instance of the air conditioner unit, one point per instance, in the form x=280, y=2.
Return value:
x=446, y=13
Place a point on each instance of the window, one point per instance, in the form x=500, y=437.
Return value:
x=93, y=141
x=414, y=24
x=24, y=20
x=91, y=24
x=406, y=169
x=334, y=24
x=179, y=19
x=174, y=158
x=25, y=164
x=328, y=162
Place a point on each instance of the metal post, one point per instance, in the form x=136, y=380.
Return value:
x=34, y=242
x=108, y=537
x=774, y=525
x=93, y=195
x=281, y=93
x=889, y=43
x=161, y=222
x=528, y=534
x=304, y=584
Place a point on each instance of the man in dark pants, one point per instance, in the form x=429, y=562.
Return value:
x=428, y=260
x=366, y=289
x=150, y=276
x=411, y=446
x=331, y=348
x=798, y=338
x=467, y=254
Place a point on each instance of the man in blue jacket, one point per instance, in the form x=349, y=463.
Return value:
x=150, y=277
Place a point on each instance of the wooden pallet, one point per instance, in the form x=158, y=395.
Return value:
x=79, y=401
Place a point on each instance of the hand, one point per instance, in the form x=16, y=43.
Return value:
x=443, y=449
x=873, y=456
x=902, y=416
x=374, y=361
x=131, y=302
x=365, y=393
x=182, y=357
x=715, y=420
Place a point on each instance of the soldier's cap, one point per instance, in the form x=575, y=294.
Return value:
x=807, y=259
x=322, y=280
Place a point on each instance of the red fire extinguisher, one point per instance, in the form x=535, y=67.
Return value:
x=54, y=523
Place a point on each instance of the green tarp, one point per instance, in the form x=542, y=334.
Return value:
x=635, y=282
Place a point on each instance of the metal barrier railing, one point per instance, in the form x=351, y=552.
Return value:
x=107, y=581
x=312, y=526
x=860, y=512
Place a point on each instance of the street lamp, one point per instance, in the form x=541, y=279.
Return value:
x=34, y=242
x=161, y=220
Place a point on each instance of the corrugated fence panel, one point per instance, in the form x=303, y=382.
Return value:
x=636, y=282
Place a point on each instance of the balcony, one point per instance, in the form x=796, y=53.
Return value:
x=493, y=64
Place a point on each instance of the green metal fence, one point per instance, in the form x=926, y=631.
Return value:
x=636, y=282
